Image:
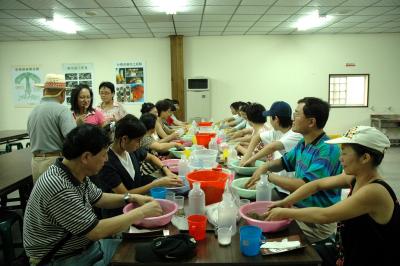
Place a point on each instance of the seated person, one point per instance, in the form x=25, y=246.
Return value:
x=121, y=173
x=234, y=119
x=164, y=133
x=60, y=226
x=243, y=131
x=176, y=121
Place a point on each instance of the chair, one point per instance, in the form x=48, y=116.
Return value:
x=7, y=219
x=10, y=145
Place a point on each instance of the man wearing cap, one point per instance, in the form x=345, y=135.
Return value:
x=310, y=159
x=48, y=124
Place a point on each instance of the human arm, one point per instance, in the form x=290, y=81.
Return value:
x=265, y=151
x=164, y=147
x=275, y=166
x=255, y=139
x=66, y=122
x=154, y=160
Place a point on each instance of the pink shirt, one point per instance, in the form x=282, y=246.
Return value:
x=95, y=117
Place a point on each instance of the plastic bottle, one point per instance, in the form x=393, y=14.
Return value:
x=232, y=155
x=183, y=167
x=213, y=144
x=263, y=189
x=197, y=200
x=227, y=213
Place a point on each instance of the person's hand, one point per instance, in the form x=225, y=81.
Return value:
x=151, y=209
x=175, y=135
x=248, y=162
x=140, y=199
x=80, y=119
x=179, y=146
x=254, y=178
x=172, y=175
x=275, y=214
x=168, y=182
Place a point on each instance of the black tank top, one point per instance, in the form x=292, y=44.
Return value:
x=366, y=242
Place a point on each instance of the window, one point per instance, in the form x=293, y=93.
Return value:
x=348, y=90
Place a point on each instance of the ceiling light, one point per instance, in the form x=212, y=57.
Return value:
x=171, y=7
x=59, y=23
x=312, y=21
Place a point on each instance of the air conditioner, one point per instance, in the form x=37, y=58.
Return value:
x=197, y=96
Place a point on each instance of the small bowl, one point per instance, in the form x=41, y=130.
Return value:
x=245, y=170
x=239, y=183
x=172, y=164
x=261, y=207
x=169, y=209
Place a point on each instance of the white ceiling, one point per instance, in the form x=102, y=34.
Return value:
x=138, y=18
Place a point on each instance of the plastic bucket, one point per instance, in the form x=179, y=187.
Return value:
x=211, y=182
x=197, y=226
x=250, y=240
x=204, y=138
x=204, y=124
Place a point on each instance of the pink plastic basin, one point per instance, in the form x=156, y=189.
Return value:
x=169, y=209
x=260, y=207
x=172, y=165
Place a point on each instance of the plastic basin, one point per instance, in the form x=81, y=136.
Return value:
x=204, y=138
x=172, y=164
x=204, y=124
x=203, y=159
x=169, y=209
x=176, y=153
x=246, y=170
x=212, y=182
x=260, y=207
x=239, y=183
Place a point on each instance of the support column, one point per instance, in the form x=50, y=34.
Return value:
x=177, y=79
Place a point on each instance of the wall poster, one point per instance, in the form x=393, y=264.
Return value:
x=24, y=78
x=76, y=74
x=130, y=83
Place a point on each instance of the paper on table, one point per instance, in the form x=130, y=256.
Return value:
x=135, y=230
x=281, y=245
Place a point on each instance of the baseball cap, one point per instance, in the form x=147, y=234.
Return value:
x=367, y=136
x=279, y=108
x=168, y=248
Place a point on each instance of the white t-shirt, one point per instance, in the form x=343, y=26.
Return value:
x=127, y=164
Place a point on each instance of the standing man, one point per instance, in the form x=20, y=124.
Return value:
x=48, y=124
x=310, y=159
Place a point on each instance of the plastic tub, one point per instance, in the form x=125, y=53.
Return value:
x=158, y=192
x=260, y=207
x=176, y=153
x=169, y=209
x=204, y=124
x=238, y=185
x=212, y=182
x=172, y=164
x=203, y=159
x=245, y=170
x=204, y=138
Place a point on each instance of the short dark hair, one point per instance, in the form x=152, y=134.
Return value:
x=163, y=106
x=284, y=121
x=254, y=113
x=129, y=126
x=175, y=101
x=107, y=84
x=377, y=156
x=75, y=97
x=243, y=106
x=316, y=108
x=171, y=102
x=149, y=120
x=235, y=106
x=146, y=107
x=85, y=138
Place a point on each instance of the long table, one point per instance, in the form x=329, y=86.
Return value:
x=7, y=136
x=16, y=174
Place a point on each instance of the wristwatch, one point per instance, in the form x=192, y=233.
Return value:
x=127, y=197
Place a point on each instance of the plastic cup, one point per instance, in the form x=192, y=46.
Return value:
x=250, y=239
x=158, y=192
x=224, y=236
x=244, y=202
x=180, y=201
x=197, y=226
x=170, y=195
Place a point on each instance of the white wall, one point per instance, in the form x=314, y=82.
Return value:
x=250, y=68
x=155, y=53
x=269, y=68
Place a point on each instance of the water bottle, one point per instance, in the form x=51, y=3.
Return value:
x=227, y=213
x=197, y=200
x=213, y=144
x=263, y=189
x=183, y=166
x=232, y=155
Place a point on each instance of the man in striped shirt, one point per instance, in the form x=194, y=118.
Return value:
x=311, y=159
x=59, y=218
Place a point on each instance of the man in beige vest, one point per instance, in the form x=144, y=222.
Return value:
x=48, y=124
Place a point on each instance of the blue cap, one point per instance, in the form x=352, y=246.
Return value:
x=279, y=108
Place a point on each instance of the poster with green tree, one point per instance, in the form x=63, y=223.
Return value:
x=23, y=83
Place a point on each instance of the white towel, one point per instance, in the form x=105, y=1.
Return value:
x=284, y=244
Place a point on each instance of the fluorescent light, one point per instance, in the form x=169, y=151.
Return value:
x=312, y=21
x=170, y=6
x=59, y=23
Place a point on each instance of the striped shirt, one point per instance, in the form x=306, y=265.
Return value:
x=313, y=161
x=59, y=203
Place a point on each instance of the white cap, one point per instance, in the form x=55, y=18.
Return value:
x=366, y=136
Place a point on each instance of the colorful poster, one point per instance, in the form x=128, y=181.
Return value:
x=130, y=83
x=24, y=78
x=76, y=74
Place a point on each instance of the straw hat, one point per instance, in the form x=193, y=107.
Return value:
x=53, y=81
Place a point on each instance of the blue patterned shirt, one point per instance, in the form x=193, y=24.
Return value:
x=311, y=162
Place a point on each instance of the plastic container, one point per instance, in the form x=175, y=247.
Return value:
x=172, y=164
x=238, y=185
x=197, y=201
x=169, y=209
x=263, y=189
x=244, y=170
x=178, y=154
x=250, y=240
x=197, y=226
x=204, y=138
x=183, y=167
x=158, y=192
x=213, y=145
x=260, y=207
x=212, y=182
x=203, y=159
x=227, y=213
x=204, y=124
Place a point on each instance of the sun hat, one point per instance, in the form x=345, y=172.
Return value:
x=367, y=136
x=279, y=108
x=53, y=81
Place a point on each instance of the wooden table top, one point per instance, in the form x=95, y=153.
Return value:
x=12, y=135
x=15, y=166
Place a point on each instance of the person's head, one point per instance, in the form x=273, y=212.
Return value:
x=106, y=91
x=363, y=147
x=281, y=115
x=176, y=104
x=87, y=145
x=163, y=109
x=149, y=120
x=254, y=113
x=235, y=108
x=242, y=109
x=128, y=132
x=149, y=108
x=311, y=114
x=171, y=102
x=54, y=87
x=82, y=99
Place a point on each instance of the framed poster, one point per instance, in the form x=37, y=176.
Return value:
x=76, y=74
x=24, y=78
x=130, y=82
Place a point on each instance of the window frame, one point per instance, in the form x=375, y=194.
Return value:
x=348, y=75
